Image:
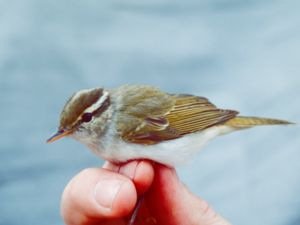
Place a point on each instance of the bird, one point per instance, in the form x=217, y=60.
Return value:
x=143, y=122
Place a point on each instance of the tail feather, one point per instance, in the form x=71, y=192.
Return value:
x=243, y=122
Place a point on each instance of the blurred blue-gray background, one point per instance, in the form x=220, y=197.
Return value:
x=241, y=54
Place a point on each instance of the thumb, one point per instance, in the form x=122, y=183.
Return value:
x=172, y=203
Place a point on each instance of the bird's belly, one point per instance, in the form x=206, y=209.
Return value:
x=172, y=152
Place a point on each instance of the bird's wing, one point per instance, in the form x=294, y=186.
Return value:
x=192, y=113
x=181, y=115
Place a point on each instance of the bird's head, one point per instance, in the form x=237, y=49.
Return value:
x=81, y=111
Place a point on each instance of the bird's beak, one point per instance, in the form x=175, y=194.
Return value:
x=59, y=134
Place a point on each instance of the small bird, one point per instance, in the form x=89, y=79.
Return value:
x=143, y=122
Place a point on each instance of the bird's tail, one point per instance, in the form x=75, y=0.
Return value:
x=245, y=122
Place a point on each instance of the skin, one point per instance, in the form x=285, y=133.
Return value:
x=108, y=195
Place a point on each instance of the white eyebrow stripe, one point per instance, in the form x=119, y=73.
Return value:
x=97, y=104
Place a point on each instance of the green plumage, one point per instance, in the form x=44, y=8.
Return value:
x=148, y=115
x=242, y=121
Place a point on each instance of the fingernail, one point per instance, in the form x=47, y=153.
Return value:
x=106, y=191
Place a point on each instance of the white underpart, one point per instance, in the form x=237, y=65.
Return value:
x=170, y=153
x=97, y=104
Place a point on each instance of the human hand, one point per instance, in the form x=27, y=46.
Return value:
x=108, y=196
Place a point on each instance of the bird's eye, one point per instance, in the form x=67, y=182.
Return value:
x=87, y=117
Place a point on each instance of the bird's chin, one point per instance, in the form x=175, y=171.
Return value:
x=81, y=137
x=78, y=137
x=86, y=140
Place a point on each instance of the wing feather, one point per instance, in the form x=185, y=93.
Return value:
x=189, y=114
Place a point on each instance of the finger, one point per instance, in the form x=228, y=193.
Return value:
x=174, y=203
x=141, y=172
x=96, y=195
